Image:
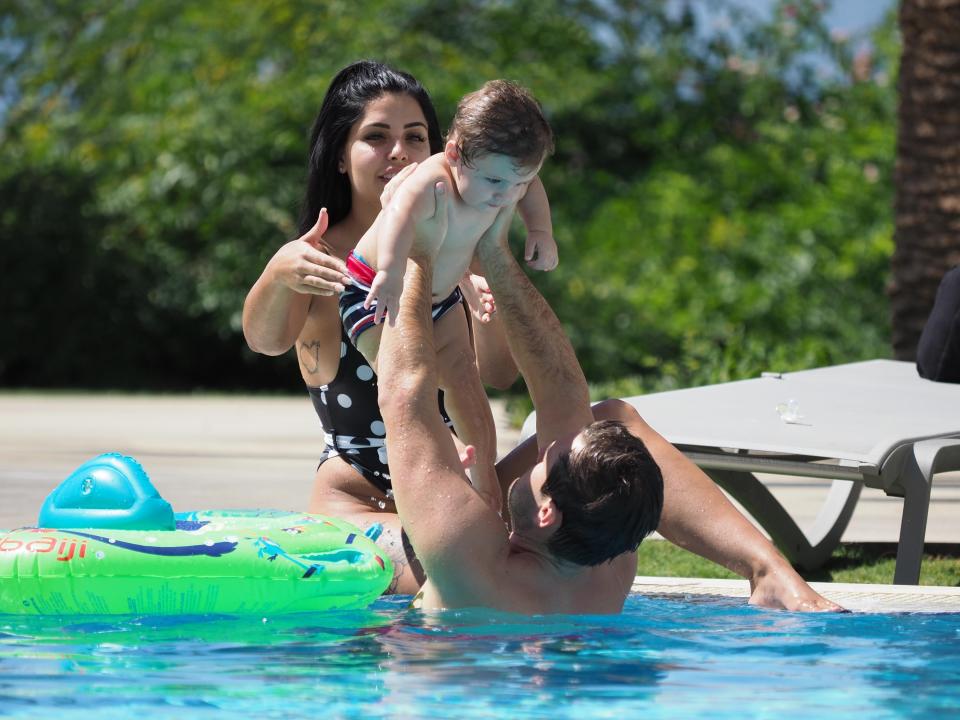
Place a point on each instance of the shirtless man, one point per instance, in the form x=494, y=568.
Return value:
x=470, y=558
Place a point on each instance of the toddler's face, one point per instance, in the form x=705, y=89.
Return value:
x=493, y=181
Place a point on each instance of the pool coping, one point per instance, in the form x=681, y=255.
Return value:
x=856, y=597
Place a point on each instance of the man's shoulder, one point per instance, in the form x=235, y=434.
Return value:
x=538, y=587
x=529, y=585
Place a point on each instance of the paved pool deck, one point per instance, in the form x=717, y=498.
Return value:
x=229, y=451
x=856, y=597
x=201, y=451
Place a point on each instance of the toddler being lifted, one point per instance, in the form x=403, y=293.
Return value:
x=494, y=150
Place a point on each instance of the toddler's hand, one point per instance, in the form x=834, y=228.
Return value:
x=541, y=244
x=478, y=296
x=385, y=290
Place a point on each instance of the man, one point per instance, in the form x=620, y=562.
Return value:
x=938, y=351
x=469, y=557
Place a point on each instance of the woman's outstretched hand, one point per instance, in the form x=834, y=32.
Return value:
x=306, y=265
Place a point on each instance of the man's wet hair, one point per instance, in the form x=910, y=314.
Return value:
x=502, y=118
x=610, y=491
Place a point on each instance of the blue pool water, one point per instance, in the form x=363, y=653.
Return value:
x=662, y=658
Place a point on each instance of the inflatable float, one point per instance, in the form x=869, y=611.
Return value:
x=106, y=543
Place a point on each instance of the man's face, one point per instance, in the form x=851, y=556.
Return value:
x=525, y=494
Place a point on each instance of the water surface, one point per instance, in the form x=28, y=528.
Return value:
x=662, y=658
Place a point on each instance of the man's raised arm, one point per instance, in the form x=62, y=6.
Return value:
x=459, y=540
x=537, y=340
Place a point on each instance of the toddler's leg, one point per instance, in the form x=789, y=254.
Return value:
x=466, y=401
x=368, y=343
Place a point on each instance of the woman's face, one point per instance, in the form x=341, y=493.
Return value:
x=391, y=134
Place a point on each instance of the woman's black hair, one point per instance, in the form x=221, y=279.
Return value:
x=343, y=105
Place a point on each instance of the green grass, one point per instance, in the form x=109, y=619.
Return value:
x=850, y=563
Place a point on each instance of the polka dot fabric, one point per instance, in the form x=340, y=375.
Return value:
x=348, y=410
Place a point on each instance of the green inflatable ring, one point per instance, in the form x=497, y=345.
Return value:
x=108, y=544
x=230, y=562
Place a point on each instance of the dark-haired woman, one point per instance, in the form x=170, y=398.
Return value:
x=374, y=122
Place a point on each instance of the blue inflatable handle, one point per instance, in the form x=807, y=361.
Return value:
x=374, y=531
x=110, y=491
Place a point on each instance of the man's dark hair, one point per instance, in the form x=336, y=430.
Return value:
x=610, y=491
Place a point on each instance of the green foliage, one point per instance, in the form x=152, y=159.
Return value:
x=763, y=244
x=721, y=195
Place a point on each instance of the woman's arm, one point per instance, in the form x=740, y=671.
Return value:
x=277, y=305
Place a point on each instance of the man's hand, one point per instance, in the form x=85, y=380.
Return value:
x=396, y=181
x=433, y=231
x=538, y=344
x=496, y=234
x=388, y=282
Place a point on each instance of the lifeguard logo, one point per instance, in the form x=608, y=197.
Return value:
x=66, y=549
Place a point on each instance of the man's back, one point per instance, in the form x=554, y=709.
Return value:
x=532, y=585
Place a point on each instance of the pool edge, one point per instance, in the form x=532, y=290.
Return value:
x=853, y=596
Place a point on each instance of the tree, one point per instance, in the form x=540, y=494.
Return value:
x=927, y=175
x=721, y=187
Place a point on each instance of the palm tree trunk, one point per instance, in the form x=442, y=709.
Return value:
x=927, y=174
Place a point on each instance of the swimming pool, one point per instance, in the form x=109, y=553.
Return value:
x=662, y=658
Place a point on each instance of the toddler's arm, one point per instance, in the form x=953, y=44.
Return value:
x=413, y=201
x=534, y=209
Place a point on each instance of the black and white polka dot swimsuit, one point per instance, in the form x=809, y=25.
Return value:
x=352, y=424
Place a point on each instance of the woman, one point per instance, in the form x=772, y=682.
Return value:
x=373, y=123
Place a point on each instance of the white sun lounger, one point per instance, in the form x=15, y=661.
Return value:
x=874, y=423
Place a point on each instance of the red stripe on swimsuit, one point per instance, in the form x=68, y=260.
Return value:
x=359, y=269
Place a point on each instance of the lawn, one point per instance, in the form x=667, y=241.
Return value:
x=850, y=563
